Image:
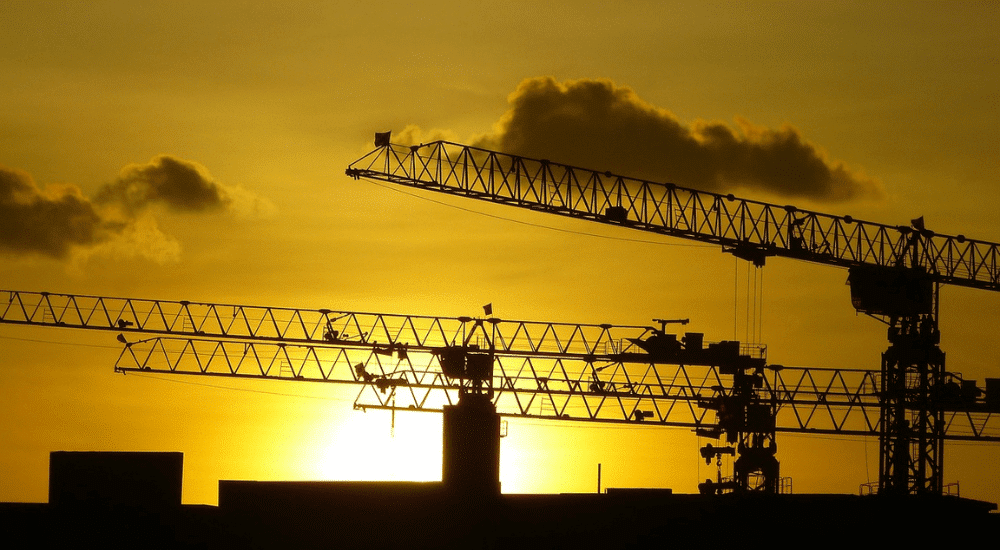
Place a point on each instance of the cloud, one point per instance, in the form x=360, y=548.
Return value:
x=49, y=222
x=140, y=237
x=60, y=222
x=597, y=124
x=180, y=185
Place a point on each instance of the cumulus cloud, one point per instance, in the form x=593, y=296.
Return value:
x=59, y=220
x=49, y=222
x=597, y=124
x=141, y=237
x=180, y=185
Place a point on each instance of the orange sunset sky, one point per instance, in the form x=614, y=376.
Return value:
x=196, y=151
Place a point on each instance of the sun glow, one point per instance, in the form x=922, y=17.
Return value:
x=372, y=447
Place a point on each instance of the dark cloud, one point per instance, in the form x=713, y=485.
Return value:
x=180, y=185
x=596, y=124
x=60, y=220
x=50, y=223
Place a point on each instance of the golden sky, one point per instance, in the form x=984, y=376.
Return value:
x=196, y=151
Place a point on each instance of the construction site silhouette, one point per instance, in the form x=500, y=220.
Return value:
x=474, y=370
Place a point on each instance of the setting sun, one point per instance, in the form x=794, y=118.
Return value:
x=206, y=155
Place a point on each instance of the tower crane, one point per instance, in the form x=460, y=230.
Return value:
x=895, y=272
x=624, y=374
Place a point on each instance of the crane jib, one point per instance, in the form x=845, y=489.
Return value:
x=749, y=229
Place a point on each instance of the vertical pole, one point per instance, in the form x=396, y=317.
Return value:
x=598, y=478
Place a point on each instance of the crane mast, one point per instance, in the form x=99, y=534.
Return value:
x=894, y=271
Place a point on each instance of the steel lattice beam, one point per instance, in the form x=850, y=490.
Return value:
x=347, y=328
x=605, y=389
x=749, y=229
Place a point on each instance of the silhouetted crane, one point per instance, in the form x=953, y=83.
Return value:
x=560, y=371
x=894, y=271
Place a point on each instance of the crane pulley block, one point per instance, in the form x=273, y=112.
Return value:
x=751, y=252
x=708, y=452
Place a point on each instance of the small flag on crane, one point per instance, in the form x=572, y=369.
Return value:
x=488, y=309
x=382, y=139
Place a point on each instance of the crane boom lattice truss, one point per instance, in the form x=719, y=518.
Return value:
x=750, y=229
x=617, y=388
x=296, y=325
